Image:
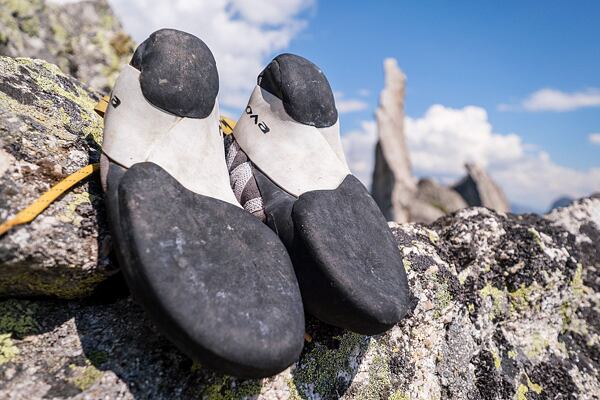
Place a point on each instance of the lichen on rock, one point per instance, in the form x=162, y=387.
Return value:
x=48, y=130
x=494, y=316
x=85, y=39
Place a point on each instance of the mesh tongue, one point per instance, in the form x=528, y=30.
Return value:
x=242, y=179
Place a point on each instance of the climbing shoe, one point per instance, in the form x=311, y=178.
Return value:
x=215, y=280
x=346, y=260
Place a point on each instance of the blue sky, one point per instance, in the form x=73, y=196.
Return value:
x=469, y=53
x=512, y=85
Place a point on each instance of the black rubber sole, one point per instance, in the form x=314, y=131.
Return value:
x=216, y=281
x=348, y=264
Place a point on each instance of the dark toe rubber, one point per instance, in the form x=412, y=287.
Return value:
x=347, y=261
x=217, y=282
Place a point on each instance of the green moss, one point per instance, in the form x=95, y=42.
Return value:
x=46, y=83
x=537, y=238
x=380, y=380
x=498, y=298
x=566, y=314
x=512, y=354
x=294, y=394
x=463, y=275
x=407, y=264
x=497, y=360
x=521, y=392
x=443, y=297
x=23, y=14
x=69, y=214
x=85, y=377
x=59, y=32
x=398, y=395
x=49, y=111
x=321, y=368
x=577, y=281
x=226, y=388
x=17, y=318
x=20, y=8
x=519, y=299
x=64, y=117
x=538, y=345
x=114, y=50
x=56, y=283
x=107, y=21
x=8, y=350
x=534, y=386
x=433, y=236
x=196, y=366
x=31, y=26
x=97, y=357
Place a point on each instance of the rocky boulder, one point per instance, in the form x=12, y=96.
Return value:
x=85, y=39
x=393, y=186
x=48, y=130
x=433, y=201
x=479, y=189
x=504, y=307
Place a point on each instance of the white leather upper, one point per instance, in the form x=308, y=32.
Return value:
x=297, y=157
x=189, y=149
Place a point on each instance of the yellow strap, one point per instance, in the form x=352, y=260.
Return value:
x=227, y=125
x=102, y=105
x=36, y=208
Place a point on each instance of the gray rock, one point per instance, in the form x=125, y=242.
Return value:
x=561, y=202
x=393, y=185
x=582, y=219
x=48, y=130
x=479, y=189
x=84, y=38
x=502, y=309
x=433, y=201
x=423, y=212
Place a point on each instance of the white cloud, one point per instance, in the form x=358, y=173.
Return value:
x=536, y=180
x=359, y=148
x=364, y=92
x=555, y=100
x=242, y=34
x=594, y=138
x=344, y=105
x=443, y=139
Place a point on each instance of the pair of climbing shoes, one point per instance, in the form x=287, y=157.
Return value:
x=226, y=246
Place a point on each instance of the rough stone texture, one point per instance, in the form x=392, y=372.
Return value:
x=84, y=39
x=479, y=189
x=393, y=185
x=394, y=188
x=582, y=219
x=433, y=201
x=505, y=307
x=48, y=130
